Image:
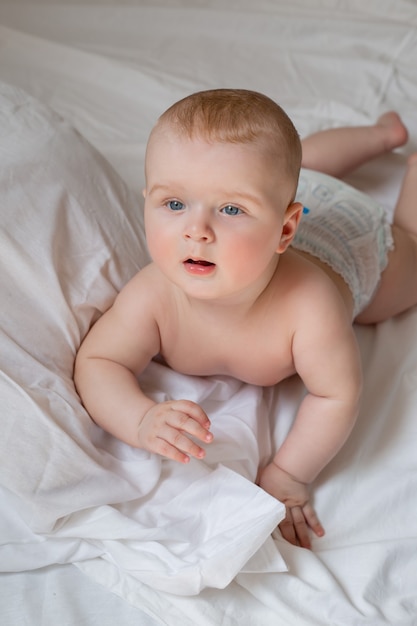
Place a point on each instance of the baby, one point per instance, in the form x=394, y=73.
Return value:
x=247, y=282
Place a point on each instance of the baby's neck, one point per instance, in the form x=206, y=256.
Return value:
x=222, y=309
x=236, y=307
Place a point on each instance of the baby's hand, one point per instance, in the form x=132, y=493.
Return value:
x=165, y=426
x=300, y=514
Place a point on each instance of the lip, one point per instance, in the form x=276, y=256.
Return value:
x=199, y=267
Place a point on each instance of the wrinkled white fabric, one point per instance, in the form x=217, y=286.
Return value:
x=110, y=68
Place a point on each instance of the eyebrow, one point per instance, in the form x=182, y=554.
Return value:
x=235, y=195
x=246, y=196
x=159, y=187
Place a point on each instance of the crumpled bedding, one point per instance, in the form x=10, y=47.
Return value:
x=72, y=502
x=69, y=231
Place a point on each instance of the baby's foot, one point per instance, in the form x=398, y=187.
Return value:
x=395, y=133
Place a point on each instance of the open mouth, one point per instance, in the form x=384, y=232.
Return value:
x=199, y=262
x=199, y=267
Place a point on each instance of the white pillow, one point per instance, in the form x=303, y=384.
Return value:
x=71, y=235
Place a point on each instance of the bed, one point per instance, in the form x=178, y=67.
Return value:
x=93, y=532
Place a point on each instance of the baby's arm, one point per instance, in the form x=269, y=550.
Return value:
x=326, y=356
x=115, y=351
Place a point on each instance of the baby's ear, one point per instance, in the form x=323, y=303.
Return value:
x=144, y=192
x=291, y=220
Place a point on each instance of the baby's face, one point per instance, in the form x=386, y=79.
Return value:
x=214, y=214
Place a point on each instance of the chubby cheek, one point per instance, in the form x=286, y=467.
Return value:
x=249, y=256
x=159, y=242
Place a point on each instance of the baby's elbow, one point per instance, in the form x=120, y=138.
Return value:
x=349, y=397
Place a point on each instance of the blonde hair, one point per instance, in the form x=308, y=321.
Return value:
x=237, y=116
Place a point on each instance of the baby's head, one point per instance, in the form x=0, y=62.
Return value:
x=222, y=168
x=237, y=116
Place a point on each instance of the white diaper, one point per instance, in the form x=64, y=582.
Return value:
x=346, y=229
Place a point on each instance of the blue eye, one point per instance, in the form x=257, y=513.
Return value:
x=175, y=205
x=231, y=210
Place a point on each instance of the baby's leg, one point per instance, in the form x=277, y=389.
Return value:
x=338, y=151
x=397, y=290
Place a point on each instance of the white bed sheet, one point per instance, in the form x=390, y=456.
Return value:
x=110, y=69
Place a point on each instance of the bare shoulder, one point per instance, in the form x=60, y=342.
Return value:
x=128, y=332
x=317, y=309
x=148, y=290
x=310, y=289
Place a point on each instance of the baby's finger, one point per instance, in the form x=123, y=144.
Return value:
x=184, y=422
x=165, y=449
x=174, y=438
x=301, y=528
x=193, y=410
x=312, y=520
x=287, y=527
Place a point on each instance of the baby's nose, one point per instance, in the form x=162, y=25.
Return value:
x=199, y=230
